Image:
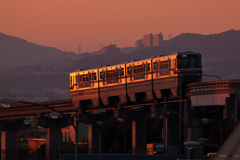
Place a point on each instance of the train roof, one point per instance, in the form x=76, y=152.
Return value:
x=84, y=70
x=132, y=61
x=185, y=52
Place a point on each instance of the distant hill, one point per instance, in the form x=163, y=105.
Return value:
x=16, y=52
x=45, y=70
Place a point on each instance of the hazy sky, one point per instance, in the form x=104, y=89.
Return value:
x=65, y=24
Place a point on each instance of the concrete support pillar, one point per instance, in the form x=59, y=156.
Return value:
x=8, y=146
x=132, y=97
x=139, y=137
x=172, y=136
x=53, y=143
x=173, y=120
x=186, y=122
x=93, y=139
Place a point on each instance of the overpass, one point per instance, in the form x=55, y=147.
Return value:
x=215, y=99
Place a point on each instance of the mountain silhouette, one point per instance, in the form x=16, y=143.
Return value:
x=16, y=52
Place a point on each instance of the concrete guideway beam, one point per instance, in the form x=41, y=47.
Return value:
x=131, y=115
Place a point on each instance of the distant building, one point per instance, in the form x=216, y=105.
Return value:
x=139, y=44
x=149, y=40
x=110, y=49
x=157, y=40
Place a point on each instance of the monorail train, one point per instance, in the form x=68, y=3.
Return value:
x=185, y=67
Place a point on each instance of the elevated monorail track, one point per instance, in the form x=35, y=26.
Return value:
x=24, y=110
x=66, y=106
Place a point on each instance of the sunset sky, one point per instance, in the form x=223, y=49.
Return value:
x=65, y=24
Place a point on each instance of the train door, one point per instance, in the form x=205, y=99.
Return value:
x=129, y=72
x=122, y=74
x=102, y=78
x=119, y=74
x=77, y=80
x=94, y=79
x=147, y=70
x=155, y=68
x=143, y=70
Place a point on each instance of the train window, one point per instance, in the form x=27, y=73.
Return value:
x=148, y=67
x=85, y=78
x=101, y=75
x=155, y=66
x=122, y=71
x=95, y=76
x=129, y=70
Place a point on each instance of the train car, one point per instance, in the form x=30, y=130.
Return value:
x=111, y=75
x=137, y=71
x=158, y=73
x=186, y=65
x=86, y=79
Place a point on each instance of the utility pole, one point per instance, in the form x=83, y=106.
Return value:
x=180, y=114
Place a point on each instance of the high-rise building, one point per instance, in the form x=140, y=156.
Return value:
x=110, y=49
x=148, y=40
x=139, y=44
x=157, y=40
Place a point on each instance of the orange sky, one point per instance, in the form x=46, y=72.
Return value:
x=65, y=24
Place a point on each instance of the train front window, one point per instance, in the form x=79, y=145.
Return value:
x=189, y=61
